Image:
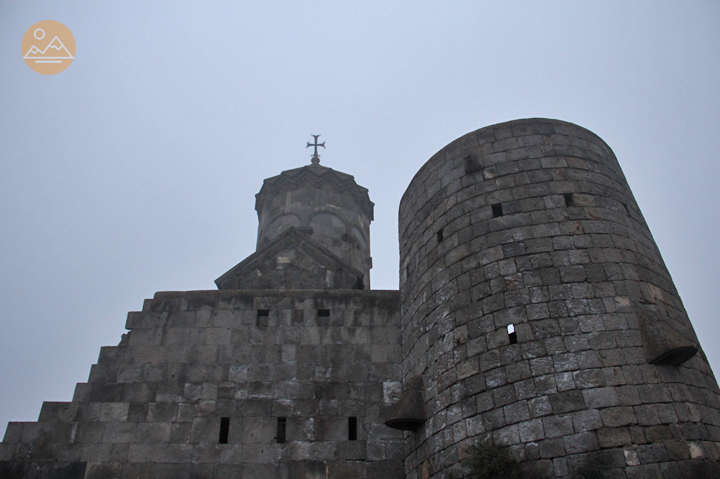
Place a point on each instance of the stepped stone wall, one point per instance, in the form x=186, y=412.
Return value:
x=531, y=224
x=153, y=406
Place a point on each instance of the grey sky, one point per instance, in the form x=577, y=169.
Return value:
x=135, y=170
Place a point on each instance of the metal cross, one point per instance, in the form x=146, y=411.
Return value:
x=315, y=157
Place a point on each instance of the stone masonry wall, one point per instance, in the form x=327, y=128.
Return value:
x=531, y=223
x=153, y=406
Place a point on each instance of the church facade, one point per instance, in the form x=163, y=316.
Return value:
x=534, y=313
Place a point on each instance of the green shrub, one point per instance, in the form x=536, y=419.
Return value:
x=590, y=471
x=490, y=462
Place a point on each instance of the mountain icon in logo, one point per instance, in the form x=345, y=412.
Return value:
x=53, y=51
x=48, y=47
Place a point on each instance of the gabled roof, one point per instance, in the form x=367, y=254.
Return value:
x=310, y=266
x=316, y=176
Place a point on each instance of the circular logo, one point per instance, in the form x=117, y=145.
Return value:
x=48, y=47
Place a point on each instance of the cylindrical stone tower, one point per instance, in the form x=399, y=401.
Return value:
x=537, y=309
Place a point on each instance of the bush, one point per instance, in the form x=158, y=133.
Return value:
x=490, y=462
x=590, y=471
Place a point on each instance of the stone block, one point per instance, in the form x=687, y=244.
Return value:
x=58, y=411
x=6, y=451
x=565, y=362
x=102, y=392
x=137, y=471
x=587, y=420
x=114, y=411
x=601, y=397
x=119, y=432
x=647, y=415
x=183, y=471
x=257, y=430
x=137, y=412
x=618, y=416
x=13, y=433
x=182, y=433
x=582, y=442
x=540, y=407
x=138, y=392
x=531, y=431
x=205, y=430
x=613, y=437
x=551, y=448
x=149, y=433
x=162, y=412
x=89, y=433
x=557, y=426
x=589, y=378
x=567, y=401
x=103, y=470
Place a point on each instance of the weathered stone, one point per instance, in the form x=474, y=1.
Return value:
x=534, y=312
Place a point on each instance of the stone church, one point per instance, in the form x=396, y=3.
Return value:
x=534, y=313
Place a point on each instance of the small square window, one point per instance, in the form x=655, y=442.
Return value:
x=497, y=210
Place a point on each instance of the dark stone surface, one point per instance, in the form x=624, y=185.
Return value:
x=566, y=264
x=601, y=368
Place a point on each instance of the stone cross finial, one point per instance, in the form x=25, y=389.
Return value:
x=315, y=157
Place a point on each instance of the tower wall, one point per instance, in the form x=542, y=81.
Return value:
x=531, y=223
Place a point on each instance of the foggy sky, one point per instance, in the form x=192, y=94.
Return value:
x=135, y=170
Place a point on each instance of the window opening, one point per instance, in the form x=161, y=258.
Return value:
x=569, y=199
x=262, y=317
x=440, y=236
x=323, y=313
x=627, y=210
x=512, y=334
x=497, y=210
x=281, y=429
x=352, y=429
x=224, y=430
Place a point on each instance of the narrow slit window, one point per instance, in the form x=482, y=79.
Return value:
x=512, y=335
x=224, y=430
x=323, y=313
x=281, y=429
x=262, y=318
x=352, y=429
x=497, y=210
x=440, y=236
x=627, y=210
x=569, y=199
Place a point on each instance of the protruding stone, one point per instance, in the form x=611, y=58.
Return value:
x=663, y=344
x=408, y=413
